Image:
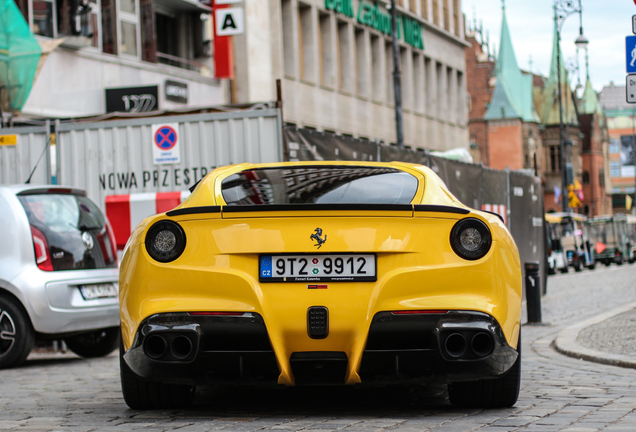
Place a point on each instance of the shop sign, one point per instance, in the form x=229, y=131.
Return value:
x=229, y=22
x=374, y=15
x=344, y=7
x=132, y=99
x=176, y=91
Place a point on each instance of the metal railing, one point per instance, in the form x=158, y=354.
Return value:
x=182, y=63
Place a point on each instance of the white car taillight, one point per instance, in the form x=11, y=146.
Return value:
x=41, y=247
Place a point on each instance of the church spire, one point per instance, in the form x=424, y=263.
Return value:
x=512, y=97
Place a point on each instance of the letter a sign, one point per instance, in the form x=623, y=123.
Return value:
x=229, y=21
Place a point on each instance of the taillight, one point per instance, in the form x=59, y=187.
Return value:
x=418, y=312
x=42, y=253
x=470, y=239
x=165, y=241
x=216, y=313
x=111, y=240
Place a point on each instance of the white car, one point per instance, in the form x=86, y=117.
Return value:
x=58, y=273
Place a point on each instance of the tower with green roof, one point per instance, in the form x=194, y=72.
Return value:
x=511, y=116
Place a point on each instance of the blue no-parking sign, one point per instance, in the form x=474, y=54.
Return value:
x=630, y=53
x=165, y=143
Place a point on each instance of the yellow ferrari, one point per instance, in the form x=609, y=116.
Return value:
x=320, y=273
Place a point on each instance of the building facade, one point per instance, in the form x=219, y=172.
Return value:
x=156, y=55
x=621, y=124
x=515, y=123
x=335, y=59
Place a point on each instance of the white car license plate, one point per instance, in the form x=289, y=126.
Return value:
x=98, y=291
x=318, y=268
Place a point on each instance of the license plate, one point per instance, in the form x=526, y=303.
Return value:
x=318, y=268
x=98, y=291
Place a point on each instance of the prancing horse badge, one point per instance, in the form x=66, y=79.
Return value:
x=317, y=237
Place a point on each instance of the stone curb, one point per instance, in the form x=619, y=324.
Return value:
x=566, y=343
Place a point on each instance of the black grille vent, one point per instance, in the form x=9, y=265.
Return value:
x=317, y=322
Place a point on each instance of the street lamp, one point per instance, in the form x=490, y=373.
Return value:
x=397, y=78
x=562, y=10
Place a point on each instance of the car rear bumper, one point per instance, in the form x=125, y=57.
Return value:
x=427, y=347
x=56, y=306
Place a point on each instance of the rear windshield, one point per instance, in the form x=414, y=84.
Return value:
x=74, y=228
x=320, y=185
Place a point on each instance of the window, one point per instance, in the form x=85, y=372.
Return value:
x=319, y=185
x=446, y=15
x=388, y=56
x=450, y=91
x=615, y=169
x=406, y=86
x=440, y=89
x=325, y=46
x=128, y=30
x=109, y=27
x=362, y=81
x=424, y=9
x=377, y=66
x=429, y=70
x=43, y=18
x=614, y=146
x=555, y=159
x=288, y=38
x=305, y=42
x=586, y=177
x=461, y=102
x=413, y=6
x=456, y=13
x=345, y=81
x=436, y=12
x=418, y=82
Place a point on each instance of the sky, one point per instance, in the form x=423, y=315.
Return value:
x=531, y=24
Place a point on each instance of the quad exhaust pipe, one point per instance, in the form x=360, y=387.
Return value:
x=468, y=345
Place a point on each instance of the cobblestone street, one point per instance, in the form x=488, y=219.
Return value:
x=66, y=393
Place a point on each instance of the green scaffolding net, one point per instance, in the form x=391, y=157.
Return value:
x=19, y=55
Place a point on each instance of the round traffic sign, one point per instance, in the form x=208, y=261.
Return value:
x=165, y=138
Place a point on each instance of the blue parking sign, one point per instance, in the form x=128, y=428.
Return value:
x=630, y=53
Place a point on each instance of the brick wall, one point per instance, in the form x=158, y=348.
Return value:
x=505, y=144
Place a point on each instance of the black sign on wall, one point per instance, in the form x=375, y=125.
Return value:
x=176, y=91
x=132, y=99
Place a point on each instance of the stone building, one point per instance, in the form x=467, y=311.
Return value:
x=335, y=59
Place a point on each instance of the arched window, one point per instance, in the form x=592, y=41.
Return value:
x=586, y=177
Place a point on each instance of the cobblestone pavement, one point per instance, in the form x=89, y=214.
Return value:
x=559, y=393
x=614, y=335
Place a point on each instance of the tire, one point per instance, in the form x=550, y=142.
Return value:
x=143, y=395
x=16, y=333
x=577, y=265
x=501, y=392
x=591, y=266
x=620, y=261
x=564, y=269
x=98, y=343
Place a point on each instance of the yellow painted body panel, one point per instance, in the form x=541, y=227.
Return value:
x=416, y=266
